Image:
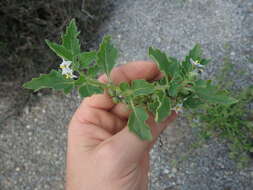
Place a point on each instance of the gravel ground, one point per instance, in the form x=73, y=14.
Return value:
x=224, y=29
x=32, y=146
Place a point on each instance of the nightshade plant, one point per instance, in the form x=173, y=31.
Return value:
x=180, y=87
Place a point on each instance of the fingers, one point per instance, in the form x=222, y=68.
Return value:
x=121, y=110
x=128, y=72
x=98, y=101
x=90, y=112
x=134, y=70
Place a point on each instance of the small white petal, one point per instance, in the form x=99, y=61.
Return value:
x=196, y=63
x=65, y=64
x=67, y=71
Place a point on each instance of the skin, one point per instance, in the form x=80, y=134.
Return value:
x=102, y=153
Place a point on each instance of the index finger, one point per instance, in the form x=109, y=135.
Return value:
x=132, y=71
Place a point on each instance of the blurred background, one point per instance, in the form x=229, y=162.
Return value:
x=33, y=125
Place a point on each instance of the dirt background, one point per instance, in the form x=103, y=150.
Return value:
x=25, y=24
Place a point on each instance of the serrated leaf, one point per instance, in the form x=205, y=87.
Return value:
x=86, y=58
x=160, y=58
x=88, y=90
x=168, y=65
x=54, y=80
x=142, y=87
x=60, y=50
x=70, y=40
x=107, y=55
x=212, y=95
x=137, y=123
x=164, y=108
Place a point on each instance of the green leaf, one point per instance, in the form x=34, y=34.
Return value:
x=107, y=55
x=152, y=106
x=173, y=88
x=137, y=124
x=212, y=95
x=173, y=67
x=60, y=50
x=205, y=61
x=142, y=87
x=164, y=107
x=88, y=90
x=93, y=71
x=196, y=52
x=124, y=86
x=70, y=40
x=168, y=65
x=54, y=80
x=86, y=58
x=80, y=80
x=160, y=58
x=192, y=102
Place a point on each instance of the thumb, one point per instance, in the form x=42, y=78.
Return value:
x=130, y=147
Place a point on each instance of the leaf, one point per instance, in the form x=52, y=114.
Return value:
x=88, y=90
x=54, y=80
x=93, y=71
x=212, y=95
x=168, y=65
x=173, y=67
x=192, y=102
x=107, y=55
x=80, y=80
x=173, y=88
x=152, y=106
x=86, y=58
x=160, y=59
x=196, y=52
x=142, y=87
x=70, y=40
x=124, y=86
x=164, y=108
x=137, y=125
x=60, y=50
x=205, y=61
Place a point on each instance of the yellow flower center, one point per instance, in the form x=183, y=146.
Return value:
x=68, y=76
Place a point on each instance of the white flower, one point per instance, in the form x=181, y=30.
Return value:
x=196, y=63
x=178, y=108
x=65, y=64
x=68, y=73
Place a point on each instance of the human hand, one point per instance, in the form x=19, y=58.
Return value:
x=102, y=153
